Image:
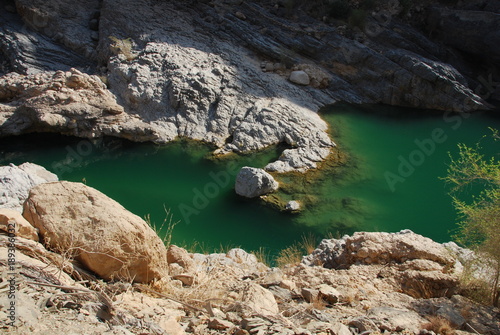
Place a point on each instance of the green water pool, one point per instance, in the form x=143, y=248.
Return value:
x=390, y=181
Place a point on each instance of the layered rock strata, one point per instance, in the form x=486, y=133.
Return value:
x=219, y=72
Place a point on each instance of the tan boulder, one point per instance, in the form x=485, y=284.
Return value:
x=367, y=247
x=96, y=230
x=180, y=256
x=259, y=300
x=11, y=219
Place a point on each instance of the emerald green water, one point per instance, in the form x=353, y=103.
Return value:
x=147, y=178
x=379, y=139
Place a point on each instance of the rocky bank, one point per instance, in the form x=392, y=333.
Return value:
x=239, y=75
x=83, y=264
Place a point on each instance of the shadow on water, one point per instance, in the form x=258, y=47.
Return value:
x=182, y=177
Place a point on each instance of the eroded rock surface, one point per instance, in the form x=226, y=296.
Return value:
x=420, y=264
x=219, y=71
x=16, y=182
x=107, y=239
x=71, y=103
x=379, y=248
x=254, y=182
x=14, y=224
x=234, y=292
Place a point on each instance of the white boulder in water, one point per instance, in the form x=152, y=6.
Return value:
x=254, y=182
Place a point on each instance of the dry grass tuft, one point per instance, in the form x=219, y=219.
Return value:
x=289, y=256
x=439, y=325
x=308, y=243
x=262, y=255
x=166, y=228
x=292, y=255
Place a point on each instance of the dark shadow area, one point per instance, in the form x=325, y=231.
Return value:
x=28, y=51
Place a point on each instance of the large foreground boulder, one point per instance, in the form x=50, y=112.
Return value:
x=253, y=182
x=16, y=181
x=78, y=220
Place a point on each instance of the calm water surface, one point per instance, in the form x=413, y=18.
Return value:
x=391, y=181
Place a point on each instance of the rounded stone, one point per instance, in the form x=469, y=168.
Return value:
x=254, y=182
x=300, y=78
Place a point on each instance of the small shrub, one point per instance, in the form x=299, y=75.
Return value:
x=293, y=254
x=224, y=248
x=476, y=289
x=123, y=46
x=197, y=247
x=475, y=192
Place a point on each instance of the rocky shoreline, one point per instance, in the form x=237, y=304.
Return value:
x=242, y=76
x=83, y=264
x=232, y=73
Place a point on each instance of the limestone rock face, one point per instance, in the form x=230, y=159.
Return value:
x=16, y=181
x=209, y=103
x=66, y=22
x=68, y=102
x=385, y=247
x=378, y=248
x=26, y=47
x=476, y=32
x=198, y=73
x=96, y=230
x=11, y=221
x=253, y=182
x=421, y=266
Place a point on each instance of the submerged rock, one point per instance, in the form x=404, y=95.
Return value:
x=293, y=206
x=253, y=182
x=107, y=239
